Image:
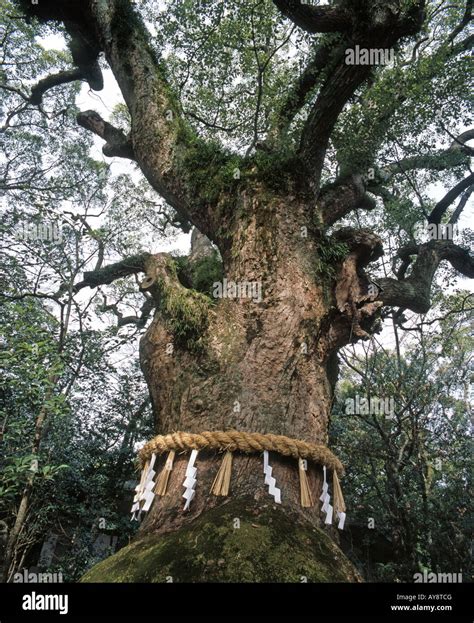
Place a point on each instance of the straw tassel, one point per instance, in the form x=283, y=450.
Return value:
x=162, y=482
x=305, y=491
x=221, y=483
x=339, y=504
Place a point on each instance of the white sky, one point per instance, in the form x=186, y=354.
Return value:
x=103, y=102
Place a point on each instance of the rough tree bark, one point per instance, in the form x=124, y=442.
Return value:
x=266, y=365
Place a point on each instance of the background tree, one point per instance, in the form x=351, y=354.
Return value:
x=408, y=472
x=59, y=355
x=264, y=152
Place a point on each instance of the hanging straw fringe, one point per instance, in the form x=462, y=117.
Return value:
x=339, y=504
x=221, y=483
x=162, y=482
x=305, y=491
x=238, y=441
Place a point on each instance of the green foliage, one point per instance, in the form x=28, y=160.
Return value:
x=207, y=271
x=214, y=62
x=200, y=274
x=277, y=170
x=330, y=256
x=204, y=157
x=410, y=473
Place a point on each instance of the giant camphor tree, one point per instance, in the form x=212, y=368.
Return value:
x=268, y=127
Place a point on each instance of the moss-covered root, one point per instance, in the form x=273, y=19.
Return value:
x=237, y=542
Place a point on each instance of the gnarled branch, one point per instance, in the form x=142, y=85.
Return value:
x=414, y=291
x=139, y=321
x=457, y=153
x=117, y=143
x=54, y=80
x=338, y=199
x=162, y=142
x=314, y=19
x=440, y=208
x=108, y=274
x=83, y=45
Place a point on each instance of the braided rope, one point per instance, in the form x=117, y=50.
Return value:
x=249, y=443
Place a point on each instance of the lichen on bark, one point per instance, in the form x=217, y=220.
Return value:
x=237, y=542
x=185, y=311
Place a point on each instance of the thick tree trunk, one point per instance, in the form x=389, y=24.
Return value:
x=264, y=366
x=259, y=369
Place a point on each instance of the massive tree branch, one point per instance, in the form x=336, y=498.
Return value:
x=441, y=207
x=342, y=197
x=457, y=154
x=314, y=19
x=414, y=291
x=375, y=27
x=183, y=312
x=359, y=302
x=108, y=274
x=54, y=80
x=325, y=55
x=331, y=100
x=161, y=141
x=83, y=47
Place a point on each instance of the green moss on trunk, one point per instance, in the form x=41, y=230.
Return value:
x=264, y=545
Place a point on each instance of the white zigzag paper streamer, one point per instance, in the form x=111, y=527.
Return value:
x=342, y=519
x=323, y=495
x=144, y=491
x=325, y=498
x=190, y=480
x=269, y=480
